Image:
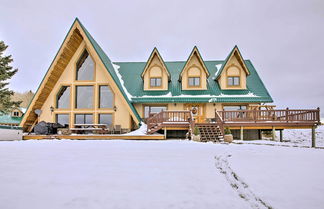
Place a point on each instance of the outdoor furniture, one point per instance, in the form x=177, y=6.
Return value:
x=111, y=129
x=117, y=129
x=88, y=128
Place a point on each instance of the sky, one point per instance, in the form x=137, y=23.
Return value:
x=283, y=39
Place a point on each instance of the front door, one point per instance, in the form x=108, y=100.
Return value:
x=198, y=111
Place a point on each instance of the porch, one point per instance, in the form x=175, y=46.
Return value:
x=269, y=119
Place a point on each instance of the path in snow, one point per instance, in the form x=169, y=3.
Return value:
x=238, y=184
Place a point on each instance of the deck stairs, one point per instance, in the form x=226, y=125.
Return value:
x=209, y=132
x=154, y=128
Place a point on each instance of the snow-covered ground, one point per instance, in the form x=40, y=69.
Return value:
x=158, y=174
x=292, y=137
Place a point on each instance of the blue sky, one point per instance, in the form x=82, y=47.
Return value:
x=284, y=39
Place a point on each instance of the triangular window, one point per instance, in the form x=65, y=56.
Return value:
x=85, y=67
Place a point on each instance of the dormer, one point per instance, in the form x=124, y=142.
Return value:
x=16, y=112
x=194, y=73
x=156, y=75
x=232, y=74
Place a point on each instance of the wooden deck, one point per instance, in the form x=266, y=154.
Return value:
x=94, y=137
x=238, y=119
x=264, y=119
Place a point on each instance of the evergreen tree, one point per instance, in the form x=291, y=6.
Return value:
x=6, y=73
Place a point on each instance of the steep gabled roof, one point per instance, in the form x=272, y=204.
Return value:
x=153, y=53
x=71, y=42
x=111, y=70
x=193, y=52
x=234, y=51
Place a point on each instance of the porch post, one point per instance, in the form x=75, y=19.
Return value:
x=281, y=135
x=313, y=136
x=273, y=133
x=165, y=133
x=241, y=136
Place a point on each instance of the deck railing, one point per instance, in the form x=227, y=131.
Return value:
x=285, y=115
x=169, y=117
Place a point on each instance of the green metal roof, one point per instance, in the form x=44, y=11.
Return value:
x=7, y=119
x=131, y=75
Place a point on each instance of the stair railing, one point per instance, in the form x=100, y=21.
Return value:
x=219, y=122
x=191, y=120
x=154, y=120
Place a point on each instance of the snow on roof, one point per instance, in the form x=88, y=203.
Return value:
x=168, y=95
x=116, y=67
x=23, y=110
x=218, y=67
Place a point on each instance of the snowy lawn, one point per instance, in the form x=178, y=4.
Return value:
x=158, y=174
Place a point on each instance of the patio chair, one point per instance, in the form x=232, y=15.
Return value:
x=117, y=129
x=111, y=129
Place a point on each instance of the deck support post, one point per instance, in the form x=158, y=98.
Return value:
x=273, y=133
x=313, y=136
x=241, y=133
x=281, y=135
x=165, y=133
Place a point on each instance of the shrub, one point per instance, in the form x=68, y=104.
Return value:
x=196, y=131
x=227, y=131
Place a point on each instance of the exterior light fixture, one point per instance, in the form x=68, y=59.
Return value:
x=175, y=104
x=115, y=108
x=52, y=109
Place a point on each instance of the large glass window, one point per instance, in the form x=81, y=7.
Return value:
x=233, y=81
x=106, y=97
x=105, y=119
x=85, y=67
x=151, y=110
x=155, y=82
x=63, y=98
x=84, y=97
x=83, y=119
x=63, y=119
x=240, y=114
x=235, y=107
x=194, y=81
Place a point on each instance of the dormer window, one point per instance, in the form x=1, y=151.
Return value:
x=16, y=114
x=233, y=72
x=194, y=73
x=155, y=82
x=155, y=74
x=233, y=81
x=194, y=81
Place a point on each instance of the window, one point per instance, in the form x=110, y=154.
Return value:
x=63, y=119
x=106, y=97
x=105, y=119
x=84, y=97
x=240, y=114
x=83, y=119
x=150, y=110
x=16, y=114
x=85, y=67
x=235, y=107
x=194, y=81
x=155, y=82
x=63, y=98
x=233, y=80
